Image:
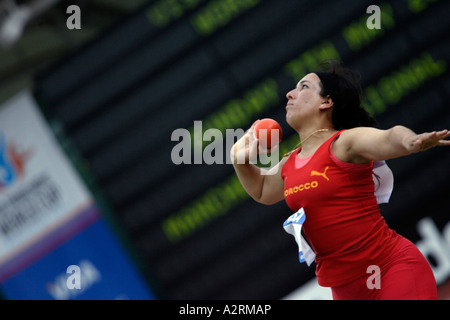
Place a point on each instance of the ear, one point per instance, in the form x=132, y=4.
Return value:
x=327, y=103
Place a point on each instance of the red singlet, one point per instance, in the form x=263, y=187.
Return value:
x=343, y=221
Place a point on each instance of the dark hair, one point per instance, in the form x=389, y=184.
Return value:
x=343, y=86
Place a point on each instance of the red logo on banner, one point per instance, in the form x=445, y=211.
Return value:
x=12, y=162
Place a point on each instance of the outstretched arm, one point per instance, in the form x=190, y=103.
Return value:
x=361, y=145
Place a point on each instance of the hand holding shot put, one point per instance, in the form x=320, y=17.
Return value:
x=263, y=137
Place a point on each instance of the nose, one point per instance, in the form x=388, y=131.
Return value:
x=290, y=95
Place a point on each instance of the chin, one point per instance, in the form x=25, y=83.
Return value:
x=290, y=122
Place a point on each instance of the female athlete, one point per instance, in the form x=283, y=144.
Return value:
x=330, y=178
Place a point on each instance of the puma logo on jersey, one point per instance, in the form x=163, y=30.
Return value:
x=323, y=175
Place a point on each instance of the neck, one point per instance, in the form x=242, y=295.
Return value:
x=311, y=139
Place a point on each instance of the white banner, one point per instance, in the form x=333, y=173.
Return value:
x=40, y=192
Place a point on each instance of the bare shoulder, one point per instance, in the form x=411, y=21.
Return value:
x=347, y=146
x=344, y=142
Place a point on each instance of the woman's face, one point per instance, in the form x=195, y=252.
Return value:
x=304, y=101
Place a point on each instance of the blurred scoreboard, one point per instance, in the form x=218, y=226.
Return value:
x=117, y=100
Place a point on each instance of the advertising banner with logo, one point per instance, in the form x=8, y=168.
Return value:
x=49, y=220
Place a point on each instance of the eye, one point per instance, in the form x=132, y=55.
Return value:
x=303, y=86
